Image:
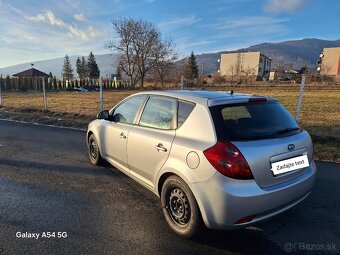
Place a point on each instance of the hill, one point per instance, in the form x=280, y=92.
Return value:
x=297, y=53
x=106, y=62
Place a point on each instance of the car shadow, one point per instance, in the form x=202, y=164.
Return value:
x=252, y=240
x=86, y=169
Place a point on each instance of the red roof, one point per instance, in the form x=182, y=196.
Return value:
x=31, y=73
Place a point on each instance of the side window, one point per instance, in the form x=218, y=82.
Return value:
x=184, y=110
x=126, y=112
x=159, y=112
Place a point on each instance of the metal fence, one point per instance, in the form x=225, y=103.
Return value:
x=38, y=83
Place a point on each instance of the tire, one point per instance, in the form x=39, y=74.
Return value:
x=180, y=207
x=94, y=153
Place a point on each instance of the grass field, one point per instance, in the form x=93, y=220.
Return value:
x=320, y=113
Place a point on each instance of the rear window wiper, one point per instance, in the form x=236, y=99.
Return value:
x=287, y=130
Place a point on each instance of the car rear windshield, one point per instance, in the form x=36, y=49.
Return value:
x=253, y=121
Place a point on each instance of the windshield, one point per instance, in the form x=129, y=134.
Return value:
x=253, y=121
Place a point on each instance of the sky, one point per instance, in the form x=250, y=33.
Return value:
x=32, y=30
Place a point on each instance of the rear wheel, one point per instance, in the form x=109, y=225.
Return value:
x=94, y=152
x=180, y=207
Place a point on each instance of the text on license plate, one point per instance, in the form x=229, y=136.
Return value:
x=291, y=164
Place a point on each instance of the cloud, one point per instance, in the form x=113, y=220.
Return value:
x=50, y=18
x=177, y=23
x=189, y=43
x=238, y=31
x=79, y=17
x=248, y=22
x=277, y=6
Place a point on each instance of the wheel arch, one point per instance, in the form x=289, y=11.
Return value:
x=97, y=136
x=161, y=181
x=89, y=133
x=166, y=175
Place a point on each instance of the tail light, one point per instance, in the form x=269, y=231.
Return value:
x=229, y=161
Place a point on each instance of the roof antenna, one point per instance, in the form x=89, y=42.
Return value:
x=232, y=90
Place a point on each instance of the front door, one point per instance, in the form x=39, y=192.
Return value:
x=115, y=136
x=116, y=133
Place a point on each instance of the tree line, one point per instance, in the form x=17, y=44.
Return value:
x=86, y=69
x=53, y=84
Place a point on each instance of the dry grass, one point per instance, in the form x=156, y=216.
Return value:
x=64, y=102
x=320, y=113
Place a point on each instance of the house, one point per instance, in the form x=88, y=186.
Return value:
x=245, y=64
x=30, y=79
x=284, y=74
x=329, y=62
x=273, y=75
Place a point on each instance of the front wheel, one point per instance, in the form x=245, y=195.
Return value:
x=180, y=207
x=94, y=152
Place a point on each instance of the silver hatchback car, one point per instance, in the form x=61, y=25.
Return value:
x=226, y=160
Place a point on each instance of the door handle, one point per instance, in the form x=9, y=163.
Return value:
x=122, y=135
x=160, y=147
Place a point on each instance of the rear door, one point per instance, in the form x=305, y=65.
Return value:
x=149, y=143
x=265, y=133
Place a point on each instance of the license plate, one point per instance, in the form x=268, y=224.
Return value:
x=291, y=164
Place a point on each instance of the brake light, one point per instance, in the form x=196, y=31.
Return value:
x=257, y=99
x=228, y=160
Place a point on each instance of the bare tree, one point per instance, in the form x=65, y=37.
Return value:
x=232, y=72
x=139, y=43
x=124, y=46
x=280, y=71
x=324, y=72
x=248, y=74
x=165, y=58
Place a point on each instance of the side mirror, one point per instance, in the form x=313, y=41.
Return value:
x=103, y=115
x=118, y=118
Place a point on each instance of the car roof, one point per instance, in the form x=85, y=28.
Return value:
x=205, y=97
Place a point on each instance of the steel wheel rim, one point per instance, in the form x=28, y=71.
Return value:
x=93, y=150
x=178, y=207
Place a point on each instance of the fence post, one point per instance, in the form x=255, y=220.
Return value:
x=101, y=94
x=0, y=94
x=182, y=82
x=302, y=87
x=44, y=92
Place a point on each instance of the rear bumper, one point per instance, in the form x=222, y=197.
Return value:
x=223, y=201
